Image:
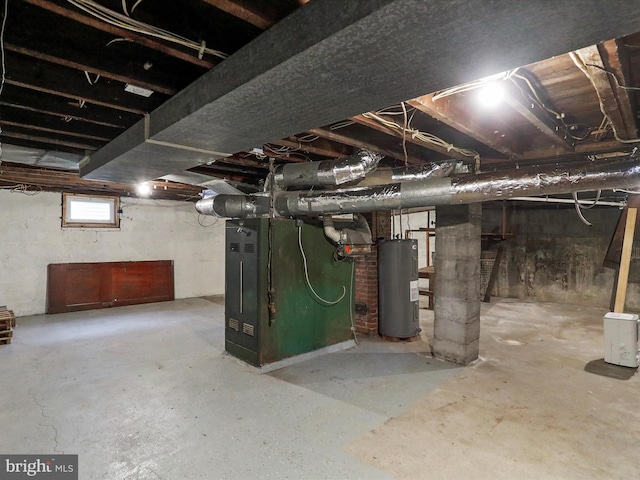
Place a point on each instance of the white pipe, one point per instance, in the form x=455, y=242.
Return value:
x=568, y=200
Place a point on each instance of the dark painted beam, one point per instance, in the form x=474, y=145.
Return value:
x=331, y=59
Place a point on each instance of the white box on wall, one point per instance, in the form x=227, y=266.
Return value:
x=621, y=339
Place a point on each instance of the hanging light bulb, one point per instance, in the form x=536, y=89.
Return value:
x=143, y=189
x=491, y=94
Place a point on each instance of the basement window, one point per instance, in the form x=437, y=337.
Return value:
x=89, y=211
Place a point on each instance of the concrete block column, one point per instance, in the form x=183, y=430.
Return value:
x=457, y=283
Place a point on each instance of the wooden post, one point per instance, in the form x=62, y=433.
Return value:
x=625, y=260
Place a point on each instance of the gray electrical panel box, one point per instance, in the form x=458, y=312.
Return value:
x=621, y=339
x=398, y=288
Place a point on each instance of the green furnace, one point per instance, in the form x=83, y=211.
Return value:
x=271, y=308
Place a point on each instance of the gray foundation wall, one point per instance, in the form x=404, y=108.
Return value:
x=554, y=257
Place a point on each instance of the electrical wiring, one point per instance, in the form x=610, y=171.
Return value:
x=308, y=138
x=531, y=93
x=404, y=137
x=123, y=21
x=215, y=222
x=2, y=54
x=339, y=125
x=423, y=136
x=473, y=85
x=583, y=68
x=22, y=188
x=587, y=207
x=579, y=210
x=630, y=192
x=352, y=301
x=286, y=151
x=124, y=6
x=306, y=275
x=91, y=82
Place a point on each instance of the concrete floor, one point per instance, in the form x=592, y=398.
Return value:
x=147, y=392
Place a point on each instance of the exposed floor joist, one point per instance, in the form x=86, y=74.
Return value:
x=607, y=78
x=535, y=114
x=244, y=12
x=365, y=145
x=123, y=33
x=264, y=101
x=91, y=69
x=449, y=111
x=399, y=132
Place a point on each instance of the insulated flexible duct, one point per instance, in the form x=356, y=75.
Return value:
x=622, y=173
x=327, y=172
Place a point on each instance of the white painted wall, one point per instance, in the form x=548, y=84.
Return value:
x=31, y=237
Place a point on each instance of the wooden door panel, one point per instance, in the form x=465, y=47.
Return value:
x=84, y=286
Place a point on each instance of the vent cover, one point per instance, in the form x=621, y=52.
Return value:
x=249, y=248
x=234, y=247
x=248, y=329
x=234, y=324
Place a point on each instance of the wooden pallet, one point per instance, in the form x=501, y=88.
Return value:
x=7, y=322
x=6, y=314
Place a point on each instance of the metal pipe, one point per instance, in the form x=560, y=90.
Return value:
x=600, y=203
x=326, y=172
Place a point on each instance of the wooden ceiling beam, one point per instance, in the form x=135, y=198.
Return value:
x=78, y=118
x=581, y=149
x=536, y=115
x=90, y=69
x=607, y=76
x=121, y=32
x=53, y=130
x=245, y=162
x=287, y=156
x=237, y=9
x=55, y=180
x=317, y=147
x=71, y=96
x=397, y=133
x=450, y=111
x=47, y=140
x=354, y=142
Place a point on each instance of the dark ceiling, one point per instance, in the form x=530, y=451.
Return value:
x=66, y=65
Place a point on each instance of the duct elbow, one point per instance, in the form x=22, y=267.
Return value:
x=330, y=231
x=326, y=172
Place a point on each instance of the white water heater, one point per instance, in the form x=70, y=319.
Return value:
x=621, y=339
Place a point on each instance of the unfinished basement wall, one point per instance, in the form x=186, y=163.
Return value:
x=366, y=277
x=554, y=257
x=31, y=238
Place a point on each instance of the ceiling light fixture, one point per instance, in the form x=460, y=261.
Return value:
x=143, y=189
x=491, y=94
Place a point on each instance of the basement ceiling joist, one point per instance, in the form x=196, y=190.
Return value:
x=67, y=71
x=315, y=67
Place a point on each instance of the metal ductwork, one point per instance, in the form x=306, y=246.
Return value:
x=592, y=175
x=385, y=175
x=233, y=206
x=329, y=172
